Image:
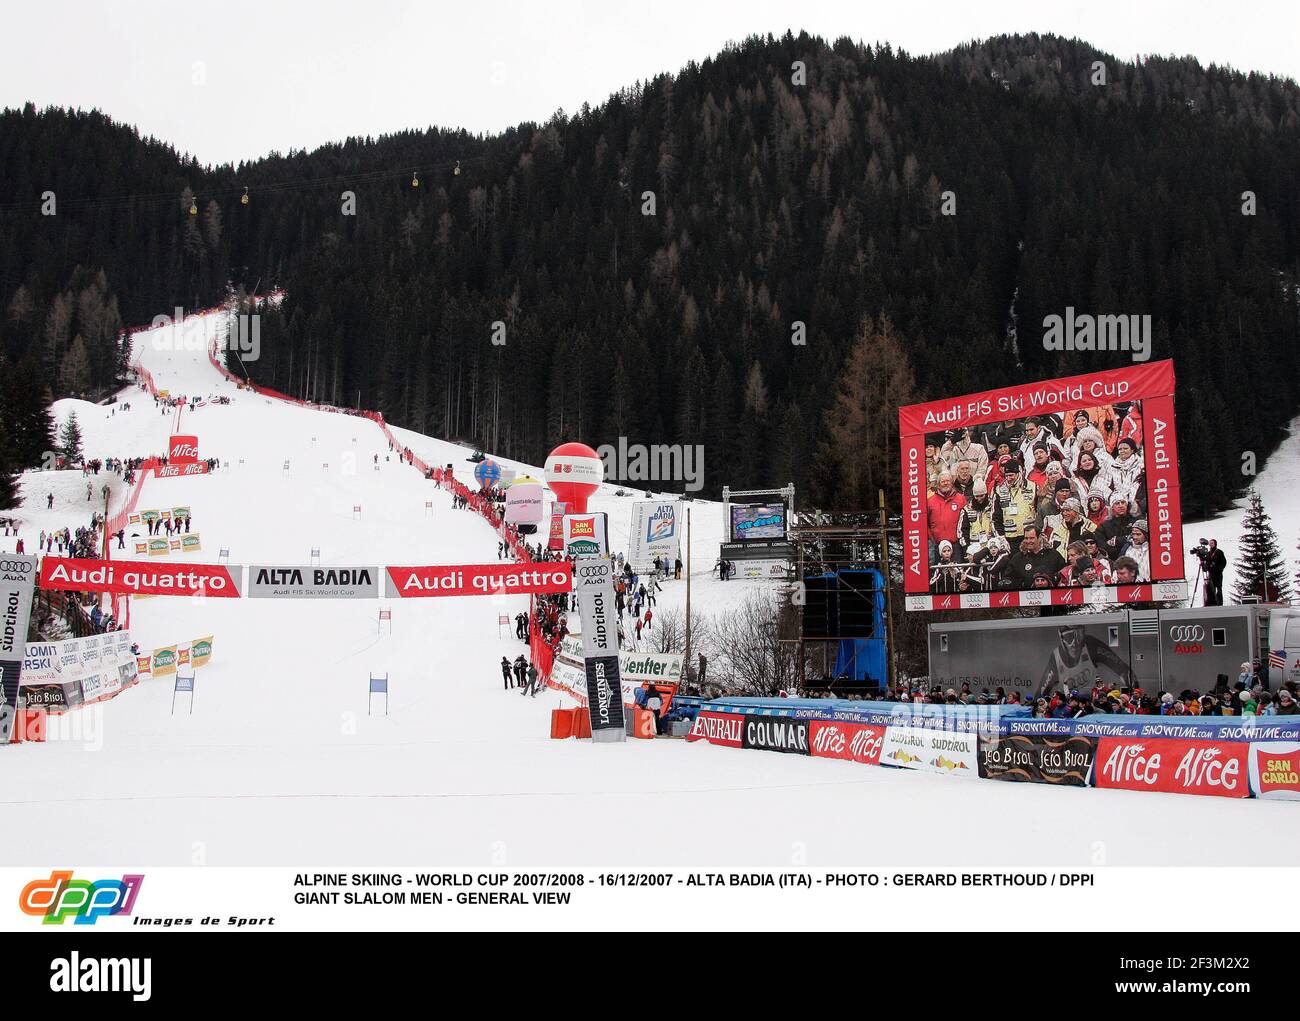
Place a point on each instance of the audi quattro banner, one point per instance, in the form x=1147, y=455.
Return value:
x=933, y=751
x=1065, y=761
x=1106, y=434
x=17, y=582
x=478, y=580
x=1174, y=766
x=595, y=584
x=136, y=578
x=278, y=581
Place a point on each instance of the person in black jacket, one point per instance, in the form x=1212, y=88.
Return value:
x=1019, y=569
x=505, y=672
x=1215, y=564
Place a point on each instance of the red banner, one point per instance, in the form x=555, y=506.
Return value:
x=857, y=742
x=479, y=580
x=1174, y=766
x=1098, y=414
x=141, y=579
x=725, y=729
x=1045, y=397
x=172, y=471
x=183, y=450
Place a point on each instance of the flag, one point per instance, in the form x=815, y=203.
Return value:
x=1277, y=658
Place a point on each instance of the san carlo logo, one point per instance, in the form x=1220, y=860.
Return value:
x=85, y=901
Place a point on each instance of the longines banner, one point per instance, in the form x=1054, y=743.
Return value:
x=600, y=647
x=1127, y=415
x=278, y=581
x=17, y=582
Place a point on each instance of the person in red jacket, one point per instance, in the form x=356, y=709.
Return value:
x=943, y=512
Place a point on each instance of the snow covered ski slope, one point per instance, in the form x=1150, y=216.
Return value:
x=280, y=762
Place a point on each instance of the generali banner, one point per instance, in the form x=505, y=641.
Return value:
x=478, y=580
x=136, y=578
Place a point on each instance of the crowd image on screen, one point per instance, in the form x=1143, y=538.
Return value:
x=1045, y=501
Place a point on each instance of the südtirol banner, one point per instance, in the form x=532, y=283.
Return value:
x=478, y=580
x=996, y=485
x=595, y=579
x=17, y=581
x=135, y=578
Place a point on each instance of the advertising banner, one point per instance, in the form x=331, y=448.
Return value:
x=776, y=734
x=756, y=522
x=201, y=652
x=1064, y=761
x=1173, y=766
x=1040, y=453
x=172, y=471
x=934, y=751
x=478, y=580
x=556, y=540
x=856, y=742
x=183, y=450
x=191, y=543
x=134, y=578
x=17, y=582
x=1275, y=770
x=656, y=531
x=281, y=581
x=726, y=729
x=164, y=661
x=585, y=535
x=595, y=584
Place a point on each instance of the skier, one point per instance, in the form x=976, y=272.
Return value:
x=520, y=667
x=49, y=501
x=505, y=672
x=533, y=678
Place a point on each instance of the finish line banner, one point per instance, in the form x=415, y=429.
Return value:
x=478, y=580
x=126, y=577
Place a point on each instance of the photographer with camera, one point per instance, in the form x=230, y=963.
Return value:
x=1213, y=563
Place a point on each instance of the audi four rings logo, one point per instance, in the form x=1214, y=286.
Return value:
x=1187, y=633
x=21, y=566
x=592, y=571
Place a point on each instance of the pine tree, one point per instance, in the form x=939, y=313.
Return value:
x=1261, y=570
x=8, y=474
x=70, y=440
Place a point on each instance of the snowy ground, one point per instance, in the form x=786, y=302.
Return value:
x=280, y=764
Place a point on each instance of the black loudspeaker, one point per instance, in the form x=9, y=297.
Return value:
x=821, y=607
x=857, y=604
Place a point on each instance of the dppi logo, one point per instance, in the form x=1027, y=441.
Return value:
x=61, y=897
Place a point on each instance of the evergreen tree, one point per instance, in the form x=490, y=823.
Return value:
x=70, y=440
x=1261, y=569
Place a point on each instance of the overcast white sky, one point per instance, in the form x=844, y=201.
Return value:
x=234, y=80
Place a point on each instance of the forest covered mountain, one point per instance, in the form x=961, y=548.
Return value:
x=779, y=198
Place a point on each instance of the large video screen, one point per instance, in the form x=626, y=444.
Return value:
x=754, y=522
x=1052, y=493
